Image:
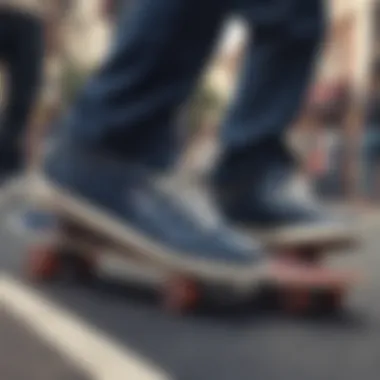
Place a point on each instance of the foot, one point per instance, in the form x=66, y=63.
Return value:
x=281, y=208
x=145, y=204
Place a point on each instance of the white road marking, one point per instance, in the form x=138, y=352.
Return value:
x=85, y=346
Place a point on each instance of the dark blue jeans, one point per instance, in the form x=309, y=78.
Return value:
x=129, y=108
x=21, y=54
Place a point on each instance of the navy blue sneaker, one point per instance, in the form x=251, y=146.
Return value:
x=278, y=205
x=148, y=212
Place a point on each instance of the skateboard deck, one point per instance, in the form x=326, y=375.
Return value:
x=309, y=244
x=84, y=234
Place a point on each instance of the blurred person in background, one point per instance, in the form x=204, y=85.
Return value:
x=371, y=144
x=120, y=136
x=21, y=55
x=330, y=113
x=49, y=102
x=46, y=99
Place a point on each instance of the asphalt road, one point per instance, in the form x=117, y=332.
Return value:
x=239, y=345
x=24, y=356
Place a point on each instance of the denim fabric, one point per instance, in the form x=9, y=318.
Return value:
x=129, y=107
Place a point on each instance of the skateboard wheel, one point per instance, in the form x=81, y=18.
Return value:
x=43, y=264
x=180, y=295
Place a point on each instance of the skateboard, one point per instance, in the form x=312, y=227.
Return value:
x=85, y=235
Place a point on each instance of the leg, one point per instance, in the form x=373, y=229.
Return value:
x=278, y=65
x=254, y=178
x=159, y=51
